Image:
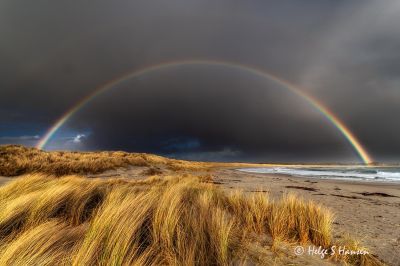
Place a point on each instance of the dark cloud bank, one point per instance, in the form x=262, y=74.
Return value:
x=343, y=52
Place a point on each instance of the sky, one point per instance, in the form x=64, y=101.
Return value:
x=344, y=53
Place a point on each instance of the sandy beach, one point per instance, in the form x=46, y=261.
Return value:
x=369, y=211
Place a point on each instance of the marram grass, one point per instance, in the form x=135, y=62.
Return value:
x=71, y=220
x=18, y=160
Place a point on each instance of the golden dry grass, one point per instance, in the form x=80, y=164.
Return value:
x=157, y=221
x=178, y=220
x=18, y=160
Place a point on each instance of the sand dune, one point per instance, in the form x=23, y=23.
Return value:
x=162, y=211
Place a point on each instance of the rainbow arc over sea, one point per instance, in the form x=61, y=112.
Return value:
x=311, y=100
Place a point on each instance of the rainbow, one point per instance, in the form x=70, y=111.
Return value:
x=336, y=122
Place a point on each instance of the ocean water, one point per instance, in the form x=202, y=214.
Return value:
x=384, y=174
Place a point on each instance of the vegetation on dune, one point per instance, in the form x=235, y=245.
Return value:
x=168, y=220
x=159, y=220
x=18, y=160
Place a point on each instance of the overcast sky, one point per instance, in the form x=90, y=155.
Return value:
x=345, y=53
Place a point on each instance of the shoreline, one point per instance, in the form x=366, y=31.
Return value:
x=372, y=182
x=310, y=172
x=369, y=211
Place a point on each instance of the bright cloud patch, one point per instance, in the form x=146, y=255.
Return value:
x=78, y=138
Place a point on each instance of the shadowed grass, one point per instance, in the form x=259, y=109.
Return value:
x=157, y=221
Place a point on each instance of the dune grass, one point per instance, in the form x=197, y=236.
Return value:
x=18, y=160
x=72, y=220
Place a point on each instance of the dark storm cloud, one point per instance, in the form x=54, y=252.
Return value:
x=358, y=70
x=182, y=105
x=344, y=52
x=22, y=140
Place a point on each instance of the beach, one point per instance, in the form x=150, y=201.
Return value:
x=365, y=210
x=368, y=211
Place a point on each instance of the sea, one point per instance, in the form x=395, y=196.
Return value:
x=351, y=173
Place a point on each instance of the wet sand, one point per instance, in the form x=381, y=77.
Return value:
x=369, y=211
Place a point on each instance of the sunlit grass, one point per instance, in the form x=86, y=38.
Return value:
x=18, y=160
x=157, y=221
